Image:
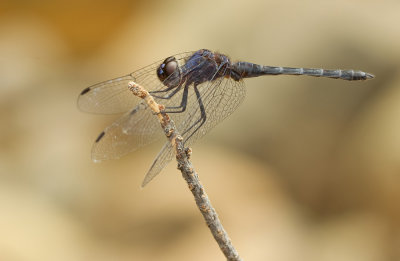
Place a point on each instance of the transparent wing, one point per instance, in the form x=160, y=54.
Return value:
x=137, y=127
x=165, y=155
x=108, y=97
x=113, y=96
x=220, y=98
x=130, y=132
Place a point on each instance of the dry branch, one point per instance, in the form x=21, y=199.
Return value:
x=188, y=173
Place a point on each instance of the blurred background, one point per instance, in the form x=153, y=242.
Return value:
x=305, y=169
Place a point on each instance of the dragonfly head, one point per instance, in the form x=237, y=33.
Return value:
x=169, y=73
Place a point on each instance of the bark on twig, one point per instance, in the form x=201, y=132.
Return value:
x=188, y=173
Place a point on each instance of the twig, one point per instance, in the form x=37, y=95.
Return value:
x=188, y=173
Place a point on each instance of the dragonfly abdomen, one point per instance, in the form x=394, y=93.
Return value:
x=248, y=70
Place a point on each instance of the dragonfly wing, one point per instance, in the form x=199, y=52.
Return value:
x=137, y=127
x=165, y=155
x=113, y=96
x=133, y=130
x=109, y=97
x=220, y=98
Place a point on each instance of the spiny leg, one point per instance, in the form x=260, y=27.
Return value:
x=183, y=104
x=177, y=89
x=203, y=115
x=202, y=118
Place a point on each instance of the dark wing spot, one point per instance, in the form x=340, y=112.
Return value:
x=85, y=90
x=100, y=136
x=134, y=111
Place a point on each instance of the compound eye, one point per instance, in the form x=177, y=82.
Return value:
x=170, y=67
x=167, y=68
x=168, y=71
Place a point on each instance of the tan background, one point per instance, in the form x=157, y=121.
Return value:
x=306, y=169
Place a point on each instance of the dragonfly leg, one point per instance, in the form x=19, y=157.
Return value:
x=203, y=115
x=202, y=118
x=166, y=90
x=183, y=104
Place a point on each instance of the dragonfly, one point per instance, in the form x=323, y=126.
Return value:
x=198, y=89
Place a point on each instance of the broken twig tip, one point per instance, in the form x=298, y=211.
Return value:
x=137, y=90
